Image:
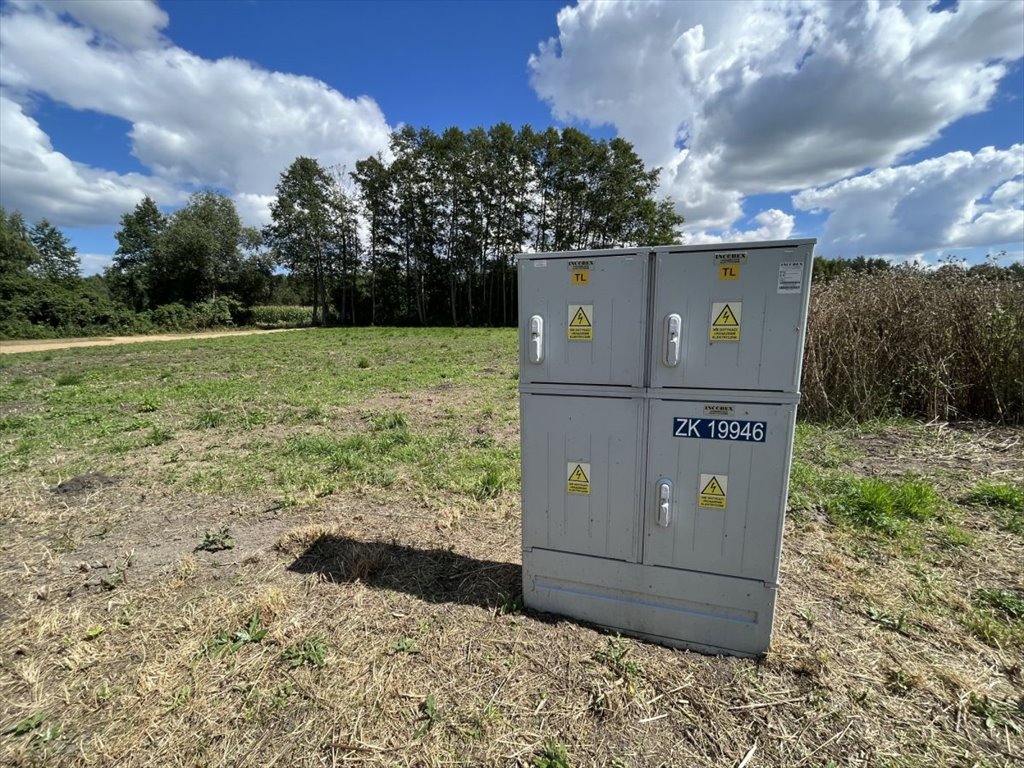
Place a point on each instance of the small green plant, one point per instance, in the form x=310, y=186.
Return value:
x=614, y=657
x=893, y=622
x=181, y=697
x=310, y=651
x=954, y=537
x=1006, y=601
x=158, y=436
x=93, y=632
x=997, y=714
x=66, y=542
x=494, y=480
x=225, y=644
x=210, y=418
x=25, y=726
x=69, y=379
x=809, y=616
x=885, y=508
x=280, y=695
x=405, y=645
x=1004, y=495
x=509, y=605
x=106, y=692
x=552, y=754
x=148, y=405
x=380, y=422
x=902, y=681
x=216, y=541
x=363, y=362
x=119, y=573
x=429, y=716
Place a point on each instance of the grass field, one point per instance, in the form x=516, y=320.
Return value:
x=303, y=549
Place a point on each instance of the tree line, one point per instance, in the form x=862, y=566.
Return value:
x=425, y=235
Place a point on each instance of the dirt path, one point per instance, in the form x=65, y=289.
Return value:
x=44, y=345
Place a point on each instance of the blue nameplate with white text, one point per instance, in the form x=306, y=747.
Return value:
x=720, y=429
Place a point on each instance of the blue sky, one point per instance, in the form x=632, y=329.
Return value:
x=892, y=131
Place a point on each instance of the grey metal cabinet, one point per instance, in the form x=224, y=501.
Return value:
x=740, y=315
x=582, y=467
x=724, y=466
x=658, y=395
x=582, y=317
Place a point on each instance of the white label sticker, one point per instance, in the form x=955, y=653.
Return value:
x=736, y=257
x=717, y=410
x=791, y=276
x=540, y=263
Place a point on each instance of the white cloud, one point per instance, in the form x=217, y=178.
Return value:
x=932, y=205
x=94, y=263
x=1009, y=194
x=254, y=209
x=39, y=181
x=134, y=23
x=733, y=98
x=773, y=225
x=195, y=122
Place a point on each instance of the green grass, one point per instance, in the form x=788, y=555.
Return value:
x=232, y=415
x=997, y=617
x=1002, y=495
x=884, y=507
x=1007, y=499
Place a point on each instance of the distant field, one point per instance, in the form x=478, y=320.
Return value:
x=303, y=549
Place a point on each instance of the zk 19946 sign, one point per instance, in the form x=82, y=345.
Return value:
x=720, y=429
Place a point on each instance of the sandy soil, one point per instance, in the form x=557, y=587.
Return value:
x=44, y=345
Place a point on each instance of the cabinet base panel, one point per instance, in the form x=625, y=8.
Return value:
x=682, y=609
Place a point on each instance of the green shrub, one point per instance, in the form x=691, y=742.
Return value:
x=280, y=316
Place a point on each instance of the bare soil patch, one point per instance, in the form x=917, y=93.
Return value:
x=46, y=345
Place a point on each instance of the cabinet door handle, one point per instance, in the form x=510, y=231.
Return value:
x=664, y=503
x=673, y=339
x=536, y=339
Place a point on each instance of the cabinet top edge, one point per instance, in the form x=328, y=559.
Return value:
x=703, y=247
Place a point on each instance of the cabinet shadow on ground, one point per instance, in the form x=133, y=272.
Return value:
x=433, y=575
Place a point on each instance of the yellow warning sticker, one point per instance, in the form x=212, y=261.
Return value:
x=580, y=271
x=712, y=491
x=579, y=478
x=725, y=320
x=581, y=322
x=728, y=271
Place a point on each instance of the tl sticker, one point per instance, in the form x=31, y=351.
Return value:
x=728, y=271
x=580, y=271
x=581, y=322
x=579, y=478
x=725, y=320
x=712, y=491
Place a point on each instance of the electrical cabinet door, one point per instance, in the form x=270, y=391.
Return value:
x=582, y=319
x=581, y=474
x=717, y=476
x=730, y=319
